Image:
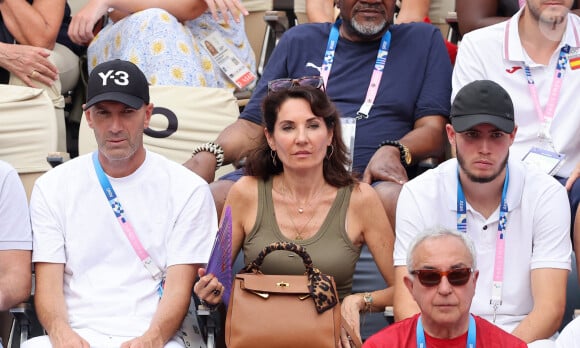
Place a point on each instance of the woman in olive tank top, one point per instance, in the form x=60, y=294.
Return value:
x=298, y=189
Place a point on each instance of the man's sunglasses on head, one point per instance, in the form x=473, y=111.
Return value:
x=432, y=277
x=286, y=83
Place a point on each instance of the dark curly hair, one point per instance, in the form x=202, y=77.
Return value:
x=335, y=164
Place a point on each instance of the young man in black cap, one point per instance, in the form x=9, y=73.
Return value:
x=518, y=218
x=535, y=56
x=119, y=233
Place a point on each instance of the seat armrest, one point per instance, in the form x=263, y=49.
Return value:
x=57, y=158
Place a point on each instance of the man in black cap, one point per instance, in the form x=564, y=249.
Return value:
x=120, y=233
x=518, y=218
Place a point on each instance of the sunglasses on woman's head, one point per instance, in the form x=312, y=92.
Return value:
x=282, y=84
x=432, y=277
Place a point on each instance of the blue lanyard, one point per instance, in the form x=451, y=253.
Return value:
x=462, y=206
x=498, y=268
x=126, y=226
x=380, y=63
x=421, y=343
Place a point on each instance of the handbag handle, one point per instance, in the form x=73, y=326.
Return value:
x=321, y=286
x=255, y=266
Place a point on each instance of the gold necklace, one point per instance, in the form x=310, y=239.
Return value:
x=300, y=231
x=300, y=206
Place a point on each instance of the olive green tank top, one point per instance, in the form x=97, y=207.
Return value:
x=331, y=250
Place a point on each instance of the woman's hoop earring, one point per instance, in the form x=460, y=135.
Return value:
x=329, y=155
x=273, y=155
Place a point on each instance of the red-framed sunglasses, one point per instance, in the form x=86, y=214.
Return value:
x=432, y=277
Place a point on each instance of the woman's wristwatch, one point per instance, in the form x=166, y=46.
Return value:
x=368, y=298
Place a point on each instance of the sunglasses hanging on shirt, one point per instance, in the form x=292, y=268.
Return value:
x=287, y=83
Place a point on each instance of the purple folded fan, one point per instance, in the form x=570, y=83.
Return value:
x=220, y=260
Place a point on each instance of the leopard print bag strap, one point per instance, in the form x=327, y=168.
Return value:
x=322, y=288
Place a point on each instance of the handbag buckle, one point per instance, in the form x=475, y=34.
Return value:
x=283, y=284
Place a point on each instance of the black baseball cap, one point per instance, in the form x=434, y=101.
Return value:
x=482, y=101
x=120, y=81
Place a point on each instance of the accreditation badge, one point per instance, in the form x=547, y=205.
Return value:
x=234, y=69
x=574, y=58
x=348, y=127
x=545, y=160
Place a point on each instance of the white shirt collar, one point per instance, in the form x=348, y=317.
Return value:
x=515, y=185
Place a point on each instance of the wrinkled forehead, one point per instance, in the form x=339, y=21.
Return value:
x=442, y=252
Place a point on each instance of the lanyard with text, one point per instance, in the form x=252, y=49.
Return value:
x=421, y=343
x=498, y=267
x=125, y=224
x=373, y=88
x=547, y=115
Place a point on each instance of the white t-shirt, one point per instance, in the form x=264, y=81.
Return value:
x=495, y=53
x=537, y=234
x=106, y=286
x=570, y=335
x=15, y=232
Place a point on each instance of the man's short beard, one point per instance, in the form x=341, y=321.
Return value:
x=548, y=20
x=367, y=29
x=481, y=179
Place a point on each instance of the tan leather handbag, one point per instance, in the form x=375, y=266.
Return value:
x=283, y=310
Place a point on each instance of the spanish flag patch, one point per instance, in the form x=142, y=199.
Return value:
x=574, y=58
x=574, y=63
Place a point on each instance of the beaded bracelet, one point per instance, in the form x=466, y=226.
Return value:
x=212, y=148
x=405, y=155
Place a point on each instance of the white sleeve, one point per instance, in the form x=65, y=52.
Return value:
x=408, y=224
x=468, y=65
x=194, y=231
x=48, y=236
x=15, y=232
x=552, y=246
x=570, y=335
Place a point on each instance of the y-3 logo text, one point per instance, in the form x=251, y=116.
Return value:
x=120, y=78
